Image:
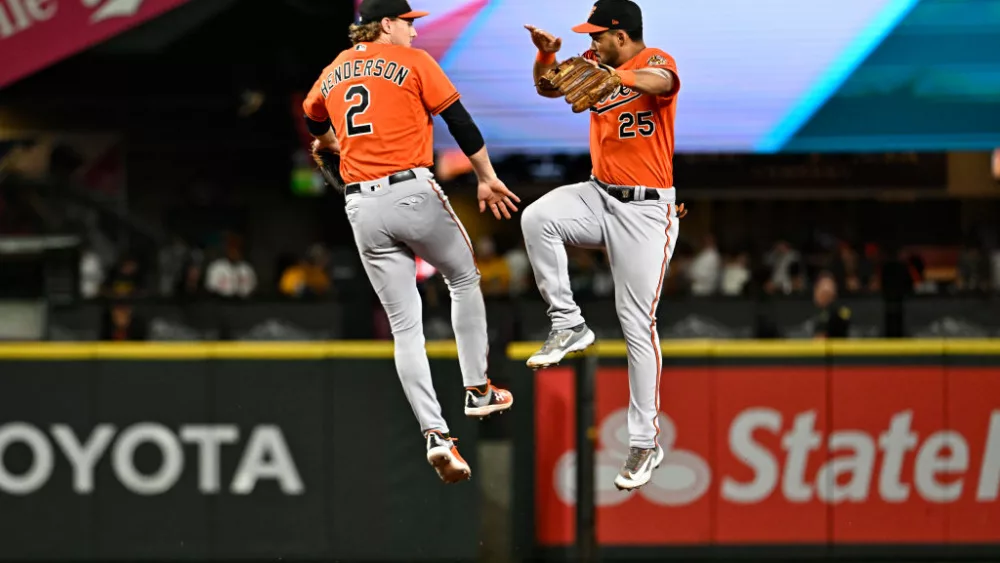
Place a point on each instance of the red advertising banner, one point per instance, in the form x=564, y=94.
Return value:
x=785, y=455
x=37, y=33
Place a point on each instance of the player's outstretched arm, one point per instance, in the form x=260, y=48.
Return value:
x=493, y=194
x=548, y=45
x=653, y=81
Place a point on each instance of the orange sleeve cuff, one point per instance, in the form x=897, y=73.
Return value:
x=628, y=78
x=545, y=58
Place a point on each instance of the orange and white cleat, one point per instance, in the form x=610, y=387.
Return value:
x=481, y=405
x=444, y=457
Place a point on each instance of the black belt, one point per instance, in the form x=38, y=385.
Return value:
x=393, y=179
x=626, y=194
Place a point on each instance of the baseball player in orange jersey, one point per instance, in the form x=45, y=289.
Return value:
x=373, y=106
x=627, y=207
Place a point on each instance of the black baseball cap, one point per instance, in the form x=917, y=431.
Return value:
x=375, y=10
x=612, y=14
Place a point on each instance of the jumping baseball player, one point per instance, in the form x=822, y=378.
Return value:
x=373, y=106
x=627, y=206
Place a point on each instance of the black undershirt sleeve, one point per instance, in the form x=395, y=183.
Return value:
x=318, y=128
x=463, y=128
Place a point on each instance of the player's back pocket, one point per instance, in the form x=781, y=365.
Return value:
x=413, y=215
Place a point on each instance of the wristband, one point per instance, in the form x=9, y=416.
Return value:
x=545, y=58
x=628, y=78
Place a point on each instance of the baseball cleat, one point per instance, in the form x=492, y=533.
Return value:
x=638, y=468
x=482, y=405
x=444, y=457
x=560, y=343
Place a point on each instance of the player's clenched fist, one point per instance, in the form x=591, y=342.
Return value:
x=543, y=40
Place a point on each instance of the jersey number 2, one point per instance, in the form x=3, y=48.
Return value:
x=627, y=121
x=360, y=98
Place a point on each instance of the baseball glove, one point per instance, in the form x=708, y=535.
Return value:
x=581, y=82
x=329, y=166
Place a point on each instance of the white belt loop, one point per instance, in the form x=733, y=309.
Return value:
x=668, y=195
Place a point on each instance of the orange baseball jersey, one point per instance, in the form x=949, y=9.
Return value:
x=380, y=99
x=632, y=134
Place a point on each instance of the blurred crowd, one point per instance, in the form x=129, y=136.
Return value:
x=216, y=263
x=706, y=270
x=183, y=272
x=857, y=269
x=699, y=269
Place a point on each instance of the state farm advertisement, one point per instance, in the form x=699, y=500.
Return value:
x=785, y=455
x=37, y=33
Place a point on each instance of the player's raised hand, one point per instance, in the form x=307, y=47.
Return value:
x=493, y=194
x=545, y=41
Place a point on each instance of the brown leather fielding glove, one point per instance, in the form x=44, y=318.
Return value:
x=581, y=82
x=329, y=166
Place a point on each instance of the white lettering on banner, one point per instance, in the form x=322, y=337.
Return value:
x=267, y=442
x=894, y=444
x=41, y=10
x=798, y=443
x=170, y=469
x=208, y=439
x=266, y=456
x=859, y=466
x=989, y=476
x=113, y=9
x=930, y=463
x=41, y=458
x=941, y=463
x=83, y=457
x=756, y=456
x=18, y=15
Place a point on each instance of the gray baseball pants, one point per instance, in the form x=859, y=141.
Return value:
x=391, y=224
x=639, y=237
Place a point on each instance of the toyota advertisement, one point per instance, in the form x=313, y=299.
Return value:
x=770, y=455
x=181, y=459
x=265, y=456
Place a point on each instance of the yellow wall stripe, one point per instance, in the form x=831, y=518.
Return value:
x=517, y=351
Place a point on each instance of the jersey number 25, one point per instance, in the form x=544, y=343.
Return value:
x=627, y=124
